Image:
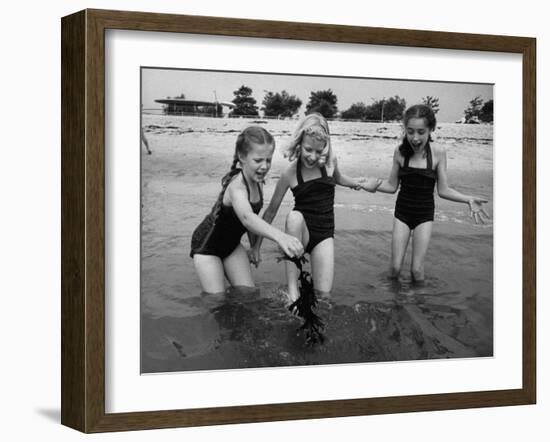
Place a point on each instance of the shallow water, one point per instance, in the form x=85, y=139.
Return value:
x=368, y=318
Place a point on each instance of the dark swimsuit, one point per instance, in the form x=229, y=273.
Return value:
x=415, y=201
x=220, y=237
x=314, y=199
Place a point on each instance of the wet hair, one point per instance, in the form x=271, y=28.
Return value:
x=315, y=126
x=251, y=135
x=417, y=111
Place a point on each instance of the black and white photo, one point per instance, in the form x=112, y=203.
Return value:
x=385, y=186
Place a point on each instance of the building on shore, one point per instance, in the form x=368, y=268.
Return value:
x=181, y=106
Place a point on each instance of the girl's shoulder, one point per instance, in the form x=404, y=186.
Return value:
x=438, y=151
x=289, y=176
x=238, y=188
x=332, y=167
x=439, y=155
x=236, y=183
x=397, y=155
x=290, y=170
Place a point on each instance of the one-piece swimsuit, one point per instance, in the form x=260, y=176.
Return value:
x=415, y=201
x=314, y=199
x=221, y=236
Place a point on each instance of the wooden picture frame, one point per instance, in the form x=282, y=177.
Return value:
x=83, y=220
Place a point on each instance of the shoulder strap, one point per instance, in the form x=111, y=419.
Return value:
x=429, y=155
x=406, y=162
x=246, y=184
x=299, y=171
x=324, y=172
x=261, y=192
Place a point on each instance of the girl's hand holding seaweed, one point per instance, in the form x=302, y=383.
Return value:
x=290, y=245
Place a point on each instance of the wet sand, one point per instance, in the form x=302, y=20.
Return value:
x=368, y=318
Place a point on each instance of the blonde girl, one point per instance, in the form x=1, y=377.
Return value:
x=312, y=175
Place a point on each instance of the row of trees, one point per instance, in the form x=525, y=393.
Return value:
x=479, y=111
x=284, y=105
x=386, y=109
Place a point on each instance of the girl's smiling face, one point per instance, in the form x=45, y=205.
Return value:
x=257, y=162
x=313, y=151
x=417, y=133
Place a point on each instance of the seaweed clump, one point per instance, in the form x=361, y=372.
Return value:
x=306, y=302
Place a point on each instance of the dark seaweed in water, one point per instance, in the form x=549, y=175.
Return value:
x=305, y=303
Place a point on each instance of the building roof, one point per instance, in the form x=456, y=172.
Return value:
x=182, y=101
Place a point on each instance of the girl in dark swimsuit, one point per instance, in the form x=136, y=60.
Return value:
x=216, y=243
x=311, y=176
x=417, y=168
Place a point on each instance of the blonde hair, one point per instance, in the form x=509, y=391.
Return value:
x=315, y=126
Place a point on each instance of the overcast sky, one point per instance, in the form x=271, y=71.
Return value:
x=206, y=85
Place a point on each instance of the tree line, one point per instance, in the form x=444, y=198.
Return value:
x=282, y=104
x=479, y=111
x=285, y=105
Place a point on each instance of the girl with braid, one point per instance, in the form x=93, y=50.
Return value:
x=216, y=243
x=418, y=168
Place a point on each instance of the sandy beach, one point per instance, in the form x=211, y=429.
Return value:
x=367, y=318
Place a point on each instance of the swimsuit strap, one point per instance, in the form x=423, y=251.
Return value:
x=232, y=174
x=429, y=163
x=299, y=171
x=261, y=193
x=429, y=154
x=248, y=189
x=246, y=184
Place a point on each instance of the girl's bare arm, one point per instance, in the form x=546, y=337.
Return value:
x=252, y=222
x=391, y=184
x=445, y=191
x=280, y=190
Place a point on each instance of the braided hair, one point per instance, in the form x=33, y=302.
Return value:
x=251, y=135
x=417, y=111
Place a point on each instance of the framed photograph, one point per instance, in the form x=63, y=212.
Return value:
x=203, y=156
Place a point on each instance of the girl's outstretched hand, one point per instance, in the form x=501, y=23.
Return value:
x=477, y=212
x=254, y=256
x=291, y=245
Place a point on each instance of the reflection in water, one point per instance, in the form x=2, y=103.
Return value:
x=241, y=329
